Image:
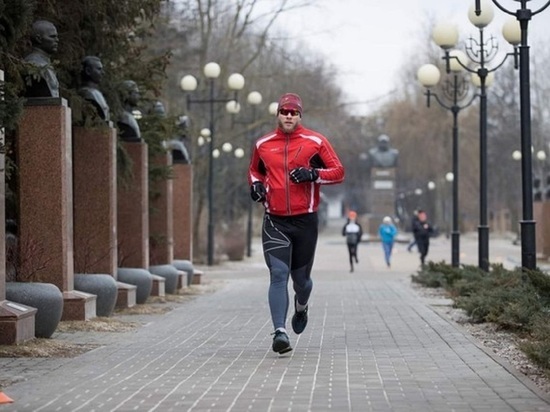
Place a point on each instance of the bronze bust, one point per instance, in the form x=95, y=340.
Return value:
x=383, y=156
x=90, y=75
x=44, y=41
x=127, y=124
x=180, y=154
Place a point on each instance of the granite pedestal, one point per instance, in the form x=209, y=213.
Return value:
x=182, y=211
x=161, y=228
x=16, y=320
x=382, y=197
x=45, y=200
x=133, y=210
x=541, y=214
x=95, y=208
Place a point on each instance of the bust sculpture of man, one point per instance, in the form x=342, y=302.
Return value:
x=128, y=126
x=383, y=155
x=91, y=74
x=175, y=145
x=180, y=154
x=44, y=41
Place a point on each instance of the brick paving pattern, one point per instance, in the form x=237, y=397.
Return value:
x=372, y=344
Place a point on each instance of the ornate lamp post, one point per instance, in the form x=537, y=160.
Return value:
x=523, y=16
x=254, y=99
x=455, y=92
x=481, y=52
x=188, y=83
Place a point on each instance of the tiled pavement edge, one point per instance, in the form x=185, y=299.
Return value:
x=371, y=345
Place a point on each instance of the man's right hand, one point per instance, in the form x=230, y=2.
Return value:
x=258, y=192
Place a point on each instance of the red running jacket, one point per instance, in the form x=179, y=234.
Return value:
x=277, y=153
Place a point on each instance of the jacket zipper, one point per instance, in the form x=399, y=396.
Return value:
x=287, y=174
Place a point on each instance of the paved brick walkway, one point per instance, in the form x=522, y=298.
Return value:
x=371, y=345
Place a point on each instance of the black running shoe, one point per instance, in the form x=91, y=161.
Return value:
x=281, y=342
x=299, y=320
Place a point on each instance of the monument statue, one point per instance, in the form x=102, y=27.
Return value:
x=383, y=155
x=158, y=109
x=91, y=74
x=128, y=126
x=44, y=41
x=176, y=145
x=180, y=154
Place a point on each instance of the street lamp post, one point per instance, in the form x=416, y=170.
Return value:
x=528, y=238
x=481, y=52
x=272, y=109
x=188, y=83
x=254, y=99
x=454, y=91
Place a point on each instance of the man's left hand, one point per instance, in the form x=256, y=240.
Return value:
x=302, y=174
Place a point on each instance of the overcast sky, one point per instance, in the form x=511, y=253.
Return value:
x=368, y=40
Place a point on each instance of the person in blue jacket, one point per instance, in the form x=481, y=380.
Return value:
x=387, y=232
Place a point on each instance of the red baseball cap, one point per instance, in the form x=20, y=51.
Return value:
x=290, y=101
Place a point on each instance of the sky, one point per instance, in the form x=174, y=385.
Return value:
x=369, y=41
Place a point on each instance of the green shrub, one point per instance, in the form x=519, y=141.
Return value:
x=518, y=300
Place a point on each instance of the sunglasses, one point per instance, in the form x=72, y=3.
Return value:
x=286, y=112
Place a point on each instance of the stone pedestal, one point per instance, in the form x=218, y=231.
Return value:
x=95, y=195
x=541, y=214
x=44, y=152
x=16, y=320
x=133, y=210
x=95, y=206
x=382, y=197
x=182, y=211
x=161, y=247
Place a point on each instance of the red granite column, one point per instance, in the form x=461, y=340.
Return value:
x=183, y=211
x=133, y=210
x=16, y=320
x=95, y=195
x=45, y=200
x=541, y=212
x=161, y=218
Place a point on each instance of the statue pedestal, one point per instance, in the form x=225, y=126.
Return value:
x=95, y=224
x=382, y=197
x=182, y=211
x=44, y=151
x=16, y=320
x=133, y=210
x=95, y=206
x=161, y=218
x=541, y=214
x=183, y=218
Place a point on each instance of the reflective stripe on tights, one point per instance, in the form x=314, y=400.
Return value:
x=289, y=242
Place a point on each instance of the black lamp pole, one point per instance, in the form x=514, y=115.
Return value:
x=481, y=52
x=250, y=204
x=456, y=91
x=483, y=228
x=528, y=237
x=455, y=232
x=210, y=183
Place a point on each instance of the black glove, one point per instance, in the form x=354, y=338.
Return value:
x=257, y=192
x=302, y=174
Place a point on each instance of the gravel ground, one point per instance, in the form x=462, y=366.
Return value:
x=501, y=343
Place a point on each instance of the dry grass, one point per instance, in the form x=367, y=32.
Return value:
x=100, y=324
x=45, y=348
x=52, y=348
